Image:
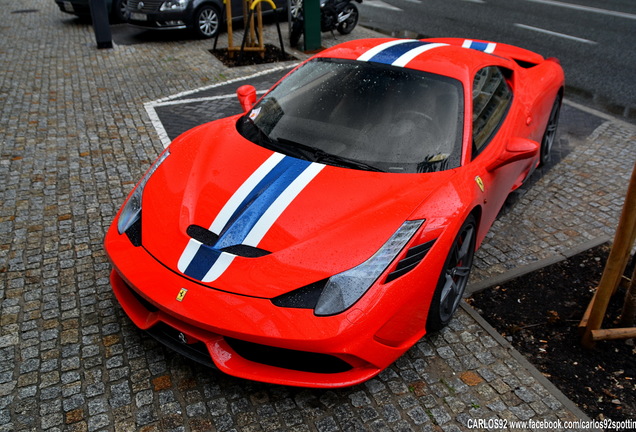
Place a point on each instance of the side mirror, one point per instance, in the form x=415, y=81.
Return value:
x=517, y=149
x=247, y=96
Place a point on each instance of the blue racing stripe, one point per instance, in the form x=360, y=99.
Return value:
x=246, y=215
x=202, y=262
x=391, y=54
x=259, y=200
x=479, y=46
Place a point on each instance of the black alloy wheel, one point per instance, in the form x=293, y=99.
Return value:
x=454, y=277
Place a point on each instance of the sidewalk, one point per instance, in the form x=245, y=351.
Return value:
x=75, y=136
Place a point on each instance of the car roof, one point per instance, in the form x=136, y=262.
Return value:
x=452, y=57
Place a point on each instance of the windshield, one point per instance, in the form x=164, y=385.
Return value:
x=362, y=115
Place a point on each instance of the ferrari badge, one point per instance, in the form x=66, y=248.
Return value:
x=182, y=294
x=480, y=183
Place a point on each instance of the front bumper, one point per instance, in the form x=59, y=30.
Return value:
x=80, y=9
x=160, y=20
x=251, y=338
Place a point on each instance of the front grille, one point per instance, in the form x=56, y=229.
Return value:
x=413, y=257
x=301, y=361
x=267, y=355
x=147, y=5
x=169, y=337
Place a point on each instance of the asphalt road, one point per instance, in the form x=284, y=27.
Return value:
x=593, y=39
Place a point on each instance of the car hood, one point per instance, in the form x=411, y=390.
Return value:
x=244, y=219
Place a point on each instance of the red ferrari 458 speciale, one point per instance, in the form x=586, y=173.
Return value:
x=316, y=237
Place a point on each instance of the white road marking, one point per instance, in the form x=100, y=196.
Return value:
x=381, y=5
x=561, y=35
x=585, y=8
x=170, y=100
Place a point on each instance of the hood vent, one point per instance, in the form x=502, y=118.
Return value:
x=210, y=239
x=413, y=257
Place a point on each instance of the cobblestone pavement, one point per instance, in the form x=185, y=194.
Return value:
x=76, y=134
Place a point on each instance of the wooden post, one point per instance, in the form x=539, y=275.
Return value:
x=261, y=42
x=615, y=333
x=251, y=33
x=616, y=263
x=230, y=38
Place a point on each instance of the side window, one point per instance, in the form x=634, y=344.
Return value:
x=491, y=99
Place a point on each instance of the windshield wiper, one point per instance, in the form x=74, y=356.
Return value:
x=316, y=154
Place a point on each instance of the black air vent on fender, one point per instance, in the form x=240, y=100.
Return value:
x=209, y=238
x=203, y=235
x=412, y=258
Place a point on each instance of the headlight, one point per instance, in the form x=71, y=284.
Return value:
x=346, y=288
x=132, y=209
x=173, y=5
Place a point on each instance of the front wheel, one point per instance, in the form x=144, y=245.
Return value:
x=118, y=12
x=207, y=22
x=346, y=26
x=550, y=132
x=296, y=31
x=454, y=277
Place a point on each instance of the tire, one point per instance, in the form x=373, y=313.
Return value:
x=349, y=24
x=296, y=32
x=550, y=132
x=118, y=12
x=206, y=22
x=454, y=277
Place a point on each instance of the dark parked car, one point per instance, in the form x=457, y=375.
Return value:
x=82, y=9
x=203, y=17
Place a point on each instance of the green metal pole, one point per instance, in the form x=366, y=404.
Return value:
x=311, y=10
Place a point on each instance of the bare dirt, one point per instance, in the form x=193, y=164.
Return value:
x=539, y=314
x=234, y=58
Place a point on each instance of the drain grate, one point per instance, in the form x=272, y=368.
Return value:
x=25, y=11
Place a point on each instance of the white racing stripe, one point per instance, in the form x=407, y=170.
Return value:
x=487, y=47
x=220, y=265
x=274, y=211
x=410, y=55
x=188, y=253
x=378, y=49
x=232, y=204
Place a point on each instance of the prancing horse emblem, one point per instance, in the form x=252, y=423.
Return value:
x=480, y=183
x=182, y=294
